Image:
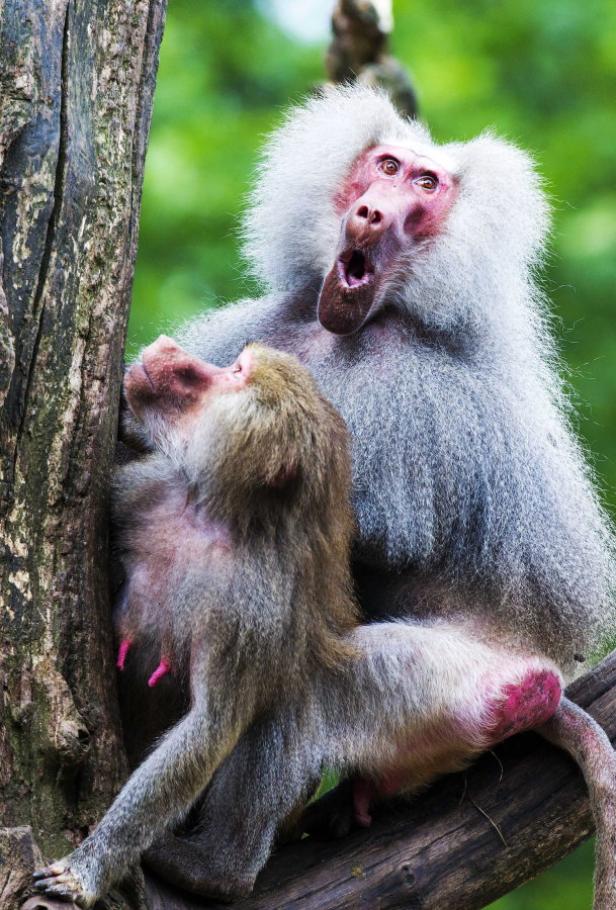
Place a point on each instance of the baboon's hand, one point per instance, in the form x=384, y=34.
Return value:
x=64, y=880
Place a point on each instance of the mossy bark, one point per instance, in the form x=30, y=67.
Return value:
x=76, y=85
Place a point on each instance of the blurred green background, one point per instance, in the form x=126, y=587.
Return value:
x=542, y=74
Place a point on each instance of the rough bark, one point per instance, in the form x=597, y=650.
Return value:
x=469, y=839
x=360, y=51
x=76, y=84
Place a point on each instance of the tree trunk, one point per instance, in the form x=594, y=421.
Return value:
x=76, y=85
x=471, y=838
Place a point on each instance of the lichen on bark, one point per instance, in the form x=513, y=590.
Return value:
x=76, y=84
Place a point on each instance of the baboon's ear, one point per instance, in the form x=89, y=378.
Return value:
x=285, y=478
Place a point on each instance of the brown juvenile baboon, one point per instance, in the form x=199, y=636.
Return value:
x=235, y=534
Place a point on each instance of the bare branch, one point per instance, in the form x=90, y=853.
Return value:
x=360, y=51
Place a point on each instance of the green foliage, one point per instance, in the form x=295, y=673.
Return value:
x=566, y=886
x=225, y=75
x=540, y=73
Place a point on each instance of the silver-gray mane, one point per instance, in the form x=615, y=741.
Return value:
x=468, y=476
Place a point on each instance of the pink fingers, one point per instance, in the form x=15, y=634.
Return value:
x=163, y=668
x=123, y=650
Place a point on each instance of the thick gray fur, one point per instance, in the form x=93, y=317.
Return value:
x=468, y=479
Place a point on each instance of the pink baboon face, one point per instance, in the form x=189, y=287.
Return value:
x=169, y=382
x=392, y=199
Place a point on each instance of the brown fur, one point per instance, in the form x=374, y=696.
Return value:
x=235, y=534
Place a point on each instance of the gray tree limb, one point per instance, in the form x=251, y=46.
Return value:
x=359, y=50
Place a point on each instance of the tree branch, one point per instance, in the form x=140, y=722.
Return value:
x=359, y=50
x=469, y=839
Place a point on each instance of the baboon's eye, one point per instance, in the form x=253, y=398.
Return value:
x=188, y=375
x=389, y=166
x=428, y=182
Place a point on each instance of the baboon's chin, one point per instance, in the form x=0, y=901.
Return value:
x=346, y=298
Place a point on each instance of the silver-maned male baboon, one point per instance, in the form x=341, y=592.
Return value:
x=402, y=273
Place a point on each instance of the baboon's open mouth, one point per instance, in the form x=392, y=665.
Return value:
x=354, y=268
x=348, y=292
